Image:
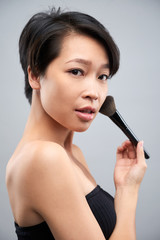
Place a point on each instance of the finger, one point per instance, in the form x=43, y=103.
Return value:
x=125, y=148
x=125, y=153
x=126, y=143
x=131, y=151
x=140, y=153
x=119, y=153
x=122, y=151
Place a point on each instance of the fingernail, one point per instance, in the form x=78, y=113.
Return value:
x=141, y=144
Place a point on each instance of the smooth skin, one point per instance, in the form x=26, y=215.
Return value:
x=47, y=177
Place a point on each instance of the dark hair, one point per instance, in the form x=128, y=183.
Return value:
x=41, y=38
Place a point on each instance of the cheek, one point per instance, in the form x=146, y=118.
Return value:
x=56, y=99
x=48, y=94
x=104, y=93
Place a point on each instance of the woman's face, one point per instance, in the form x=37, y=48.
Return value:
x=75, y=83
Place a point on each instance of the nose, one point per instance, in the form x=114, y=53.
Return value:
x=91, y=91
x=91, y=96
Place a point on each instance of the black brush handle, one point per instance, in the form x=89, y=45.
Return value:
x=119, y=121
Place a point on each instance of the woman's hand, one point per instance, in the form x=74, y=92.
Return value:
x=130, y=166
x=129, y=172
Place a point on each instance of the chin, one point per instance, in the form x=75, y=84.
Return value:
x=81, y=128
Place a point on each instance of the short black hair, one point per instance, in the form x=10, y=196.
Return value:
x=41, y=39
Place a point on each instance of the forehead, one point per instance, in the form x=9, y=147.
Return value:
x=82, y=46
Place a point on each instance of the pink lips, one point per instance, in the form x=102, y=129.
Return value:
x=86, y=113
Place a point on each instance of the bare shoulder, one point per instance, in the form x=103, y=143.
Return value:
x=33, y=160
x=41, y=148
x=48, y=163
x=46, y=158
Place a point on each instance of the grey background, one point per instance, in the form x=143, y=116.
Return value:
x=135, y=26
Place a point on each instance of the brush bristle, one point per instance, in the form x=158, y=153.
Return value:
x=108, y=108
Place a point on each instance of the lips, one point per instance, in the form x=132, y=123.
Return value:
x=86, y=110
x=86, y=113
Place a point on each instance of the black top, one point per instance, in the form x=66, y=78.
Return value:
x=102, y=206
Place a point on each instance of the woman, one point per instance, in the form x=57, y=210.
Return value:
x=67, y=59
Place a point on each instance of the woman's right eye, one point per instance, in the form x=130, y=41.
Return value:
x=76, y=72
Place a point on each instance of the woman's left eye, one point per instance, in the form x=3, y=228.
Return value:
x=103, y=77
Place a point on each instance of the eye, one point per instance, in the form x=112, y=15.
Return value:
x=103, y=77
x=77, y=72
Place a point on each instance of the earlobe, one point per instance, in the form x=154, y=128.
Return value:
x=33, y=80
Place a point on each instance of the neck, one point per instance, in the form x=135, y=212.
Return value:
x=40, y=126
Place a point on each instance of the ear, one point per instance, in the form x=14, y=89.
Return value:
x=33, y=80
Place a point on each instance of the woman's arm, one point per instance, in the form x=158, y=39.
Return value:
x=129, y=171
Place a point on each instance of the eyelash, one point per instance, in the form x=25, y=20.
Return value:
x=76, y=70
x=107, y=77
x=73, y=71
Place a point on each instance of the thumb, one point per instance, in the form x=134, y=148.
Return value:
x=140, y=152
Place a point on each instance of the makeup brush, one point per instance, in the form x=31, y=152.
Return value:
x=109, y=109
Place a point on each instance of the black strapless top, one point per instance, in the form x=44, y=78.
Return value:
x=102, y=206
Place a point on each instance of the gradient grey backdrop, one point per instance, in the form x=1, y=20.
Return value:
x=135, y=26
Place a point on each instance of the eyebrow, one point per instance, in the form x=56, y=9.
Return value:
x=86, y=62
